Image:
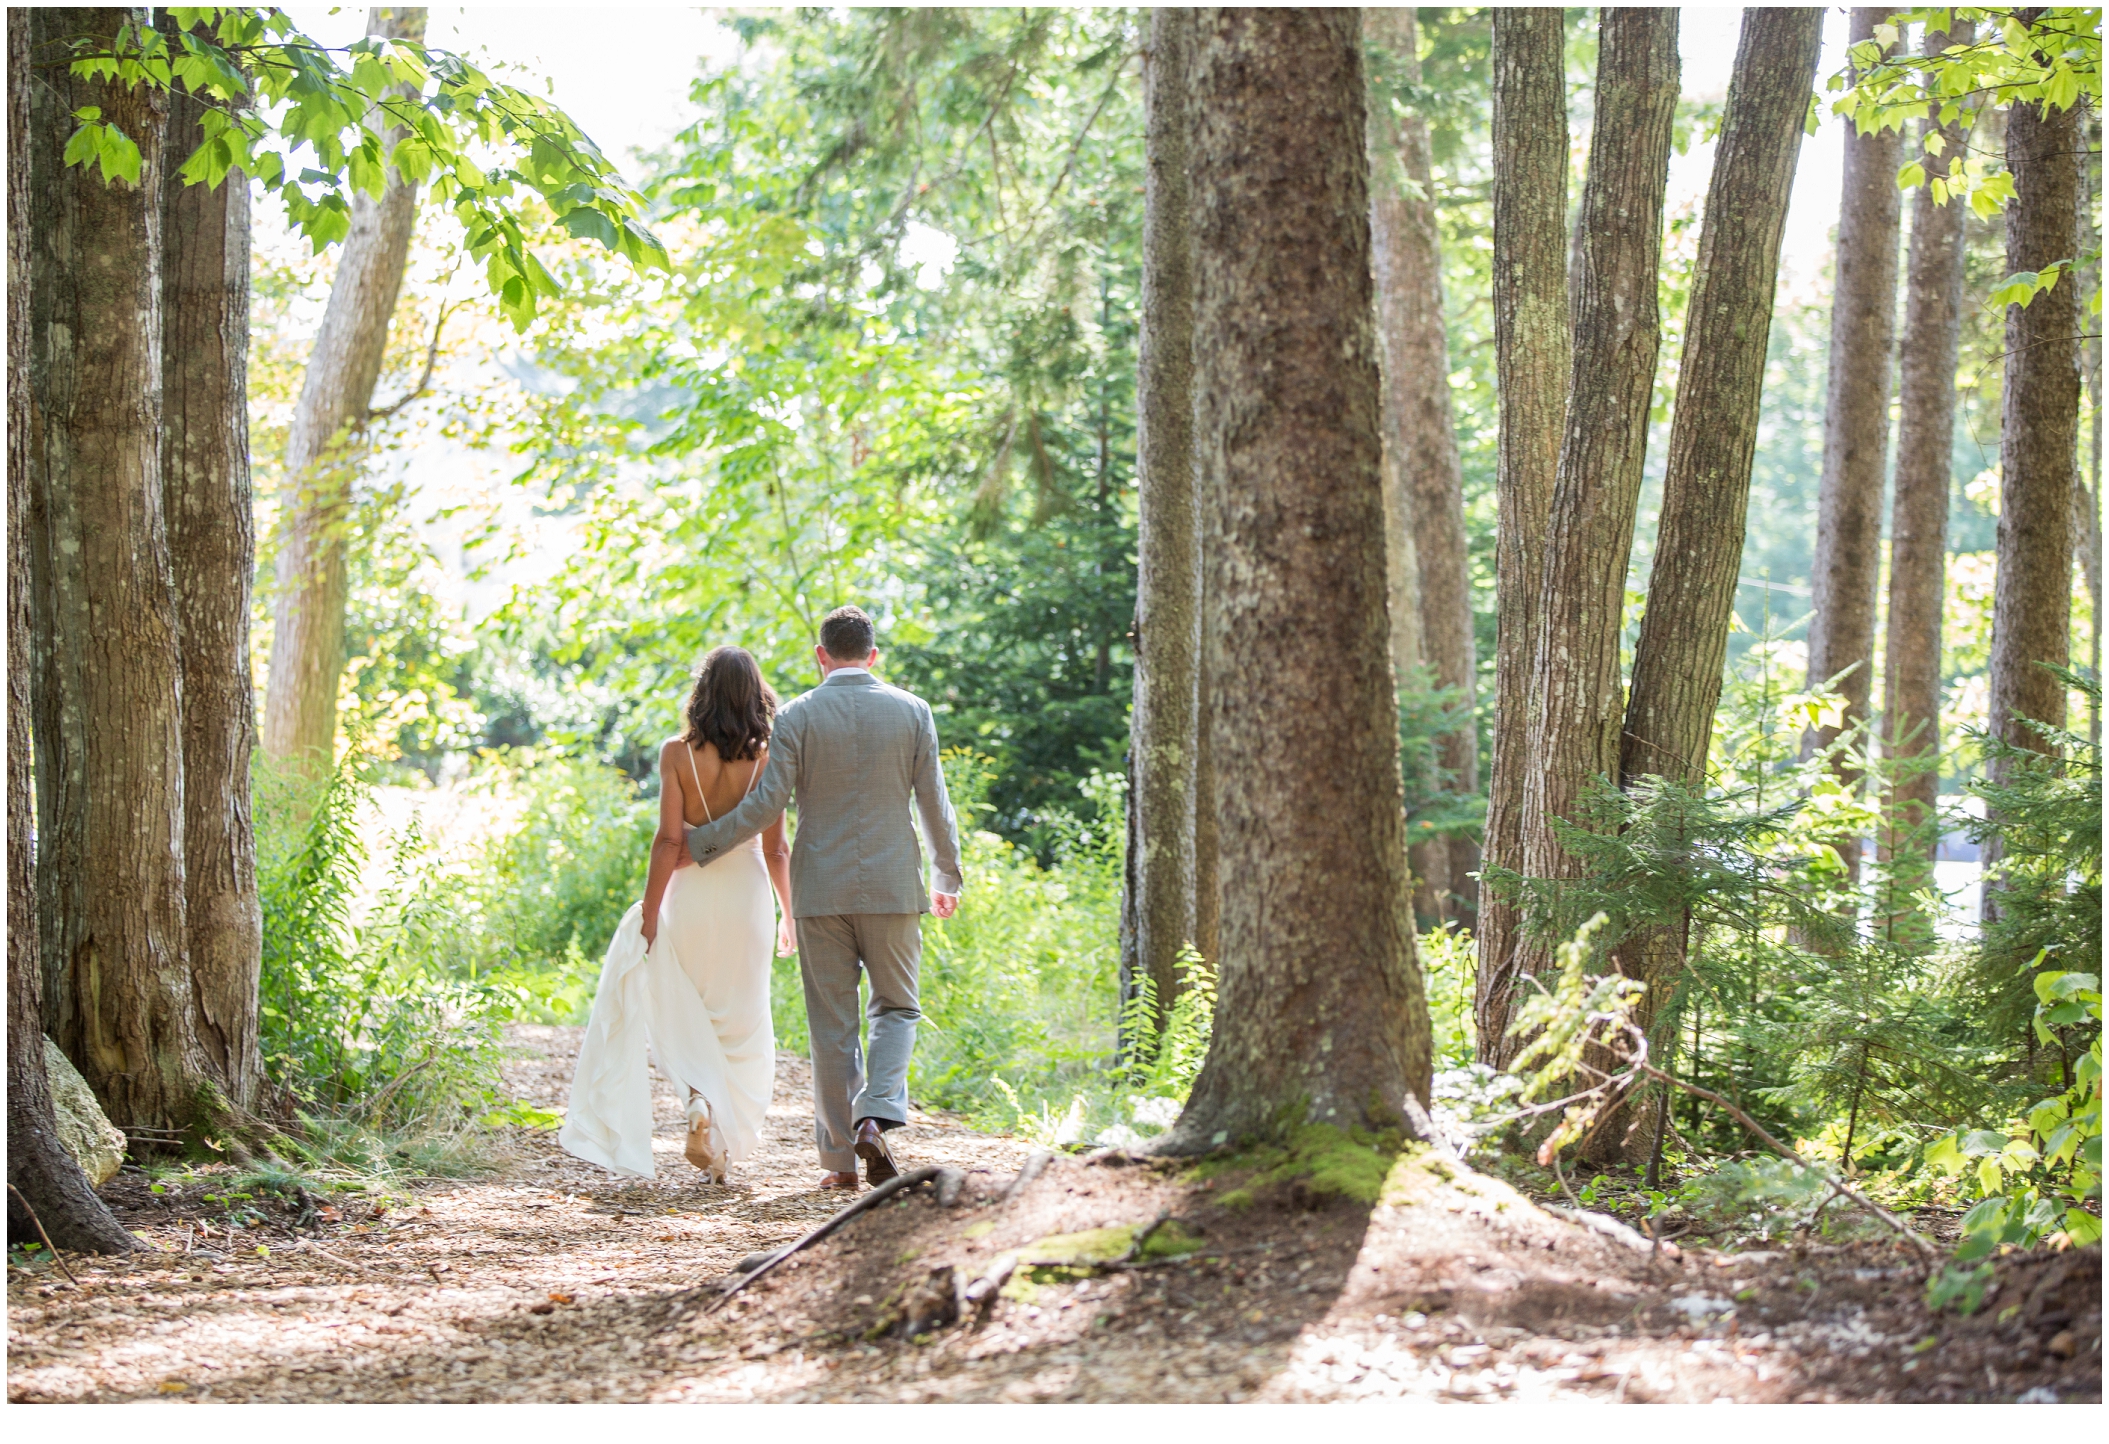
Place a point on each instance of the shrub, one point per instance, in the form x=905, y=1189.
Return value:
x=552, y=889
x=387, y=1057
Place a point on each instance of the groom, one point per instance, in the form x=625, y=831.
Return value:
x=851, y=752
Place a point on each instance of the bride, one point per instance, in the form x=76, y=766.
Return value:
x=688, y=970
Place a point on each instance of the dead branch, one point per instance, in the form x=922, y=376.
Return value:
x=48, y=1244
x=900, y=1183
x=1034, y=1167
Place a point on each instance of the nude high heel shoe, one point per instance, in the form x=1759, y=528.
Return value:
x=702, y=1145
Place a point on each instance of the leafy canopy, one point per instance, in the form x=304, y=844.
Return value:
x=2052, y=59
x=271, y=92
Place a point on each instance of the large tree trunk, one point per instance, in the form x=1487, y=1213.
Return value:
x=1530, y=351
x=109, y=740
x=1321, y=1010
x=1918, y=535
x=1168, y=575
x=1576, y=684
x=38, y=1167
x=212, y=544
x=324, y=447
x=1414, y=345
x=2038, y=442
x=1856, y=430
x=1713, y=437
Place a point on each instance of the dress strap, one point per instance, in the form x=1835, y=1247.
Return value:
x=754, y=776
x=698, y=777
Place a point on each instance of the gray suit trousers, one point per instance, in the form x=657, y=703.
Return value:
x=888, y=947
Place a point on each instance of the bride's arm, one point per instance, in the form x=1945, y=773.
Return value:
x=776, y=852
x=667, y=845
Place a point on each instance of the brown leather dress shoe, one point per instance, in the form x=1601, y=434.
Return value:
x=878, y=1158
x=839, y=1180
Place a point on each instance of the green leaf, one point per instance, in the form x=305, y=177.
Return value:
x=590, y=225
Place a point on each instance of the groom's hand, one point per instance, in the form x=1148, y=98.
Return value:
x=944, y=904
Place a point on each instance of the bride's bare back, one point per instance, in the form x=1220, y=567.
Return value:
x=709, y=786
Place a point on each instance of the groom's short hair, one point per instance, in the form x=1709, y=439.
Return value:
x=847, y=634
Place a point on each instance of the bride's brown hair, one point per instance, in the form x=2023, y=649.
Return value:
x=730, y=706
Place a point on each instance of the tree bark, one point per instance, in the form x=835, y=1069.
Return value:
x=2038, y=442
x=1168, y=573
x=1918, y=533
x=1713, y=435
x=1414, y=345
x=38, y=1166
x=109, y=742
x=323, y=449
x=1855, y=431
x=1530, y=349
x=1321, y=1012
x=1683, y=639
x=1576, y=684
x=212, y=545
x=2086, y=495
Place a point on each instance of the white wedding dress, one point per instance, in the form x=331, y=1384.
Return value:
x=699, y=998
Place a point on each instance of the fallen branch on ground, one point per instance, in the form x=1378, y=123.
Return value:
x=1034, y=1167
x=899, y=1183
x=44, y=1236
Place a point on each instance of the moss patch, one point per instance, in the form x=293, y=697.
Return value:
x=1323, y=1161
x=1171, y=1239
x=1093, y=1246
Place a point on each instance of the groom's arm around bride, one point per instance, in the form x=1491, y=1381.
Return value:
x=852, y=754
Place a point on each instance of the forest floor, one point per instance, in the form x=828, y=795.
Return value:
x=551, y=1280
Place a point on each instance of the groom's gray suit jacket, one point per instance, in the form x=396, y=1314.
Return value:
x=851, y=752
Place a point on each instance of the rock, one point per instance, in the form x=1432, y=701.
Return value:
x=2064, y=1345
x=96, y=1143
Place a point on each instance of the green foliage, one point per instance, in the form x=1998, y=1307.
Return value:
x=2039, y=1178
x=388, y=1058
x=1165, y=1061
x=2049, y=57
x=1436, y=806
x=891, y=362
x=271, y=92
x=1018, y=987
x=548, y=894
x=2043, y=810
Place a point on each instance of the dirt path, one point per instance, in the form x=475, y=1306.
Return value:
x=555, y=1281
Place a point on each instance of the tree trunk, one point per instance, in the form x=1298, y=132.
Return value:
x=324, y=447
x=38, y=1166
x=2038, y=441
x=1530, y=350
x=1683, y=640
x=1208, y=897
x=1321, y=1012
x=1168, y=574
x=2086, y=495
x=1414, y=344
x=1576, y=683
x=212, y=545
x=1428, y=863
x=1713, y=436
x=1855, y=430
x=109, y=739
x=1918, y=534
